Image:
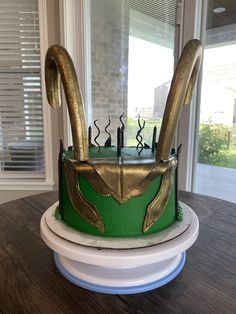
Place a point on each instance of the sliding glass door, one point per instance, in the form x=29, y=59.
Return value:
x=130, y=49
x=215, y=169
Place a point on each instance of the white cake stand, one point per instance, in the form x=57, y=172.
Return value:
x=119, y=266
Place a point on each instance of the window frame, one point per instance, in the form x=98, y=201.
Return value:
x=7, y=182
x=192, y=24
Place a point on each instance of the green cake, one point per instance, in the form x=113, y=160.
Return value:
x=119, y=191
x=117, y=217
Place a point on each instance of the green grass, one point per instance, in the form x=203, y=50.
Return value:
x=231, y=159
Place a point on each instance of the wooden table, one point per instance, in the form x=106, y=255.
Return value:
x=30, y=282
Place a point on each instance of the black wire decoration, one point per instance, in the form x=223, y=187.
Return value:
x=139, y=137
x=108, y=141
x=122, y=129
x=118, y=142
x=90, y=144
x=60, y=176
x=95, y=139
x=154, y=136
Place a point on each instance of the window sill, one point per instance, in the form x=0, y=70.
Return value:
x=26, y=185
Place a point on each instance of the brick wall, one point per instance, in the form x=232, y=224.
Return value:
x=109, y=63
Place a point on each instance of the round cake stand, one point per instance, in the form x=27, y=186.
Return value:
x=121, y=271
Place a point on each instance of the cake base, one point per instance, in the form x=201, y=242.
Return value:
x=165, y=271
x=121, y=271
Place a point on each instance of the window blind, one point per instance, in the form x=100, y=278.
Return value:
x=21, y=116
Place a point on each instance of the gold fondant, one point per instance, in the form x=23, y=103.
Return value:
x=58, y=62
x=121, y=181
x=157, y=206
x=180, y=93
x=85, y=209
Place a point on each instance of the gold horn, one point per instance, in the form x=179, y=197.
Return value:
x=58, y=62
x=180, y=94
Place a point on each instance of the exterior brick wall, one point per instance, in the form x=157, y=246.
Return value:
x=109, y=63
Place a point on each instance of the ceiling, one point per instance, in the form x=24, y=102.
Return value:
x=220, y=19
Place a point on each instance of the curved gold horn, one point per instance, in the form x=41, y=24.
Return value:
x=58, y=62
x=180, y=94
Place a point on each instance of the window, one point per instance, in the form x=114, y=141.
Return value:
x=131, y=48
x=216, y=156
x=22, y=116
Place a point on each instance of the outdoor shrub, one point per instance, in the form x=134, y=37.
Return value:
x=213, y=144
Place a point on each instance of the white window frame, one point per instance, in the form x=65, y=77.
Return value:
x=36, y=184
x=192, y=18
x=71, y=37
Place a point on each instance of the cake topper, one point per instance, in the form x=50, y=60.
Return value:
x=146, y=146
x=90, y=144
x=180, y=94
x=60, y=174
x=139, y=137
x=154, y=138
x=58, y=62
x=120, y=178
x=119, y=141
x=122, y=129
x=97, y=136
x=108, y=141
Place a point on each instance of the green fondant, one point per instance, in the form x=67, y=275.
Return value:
x=120, y=220
x=180, y=213
x=58, y=214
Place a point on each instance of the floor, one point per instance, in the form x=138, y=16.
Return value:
x=216, y=181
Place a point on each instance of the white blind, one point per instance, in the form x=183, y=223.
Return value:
x=21, y=117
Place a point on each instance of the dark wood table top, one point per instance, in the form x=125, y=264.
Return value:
x=30, y=282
